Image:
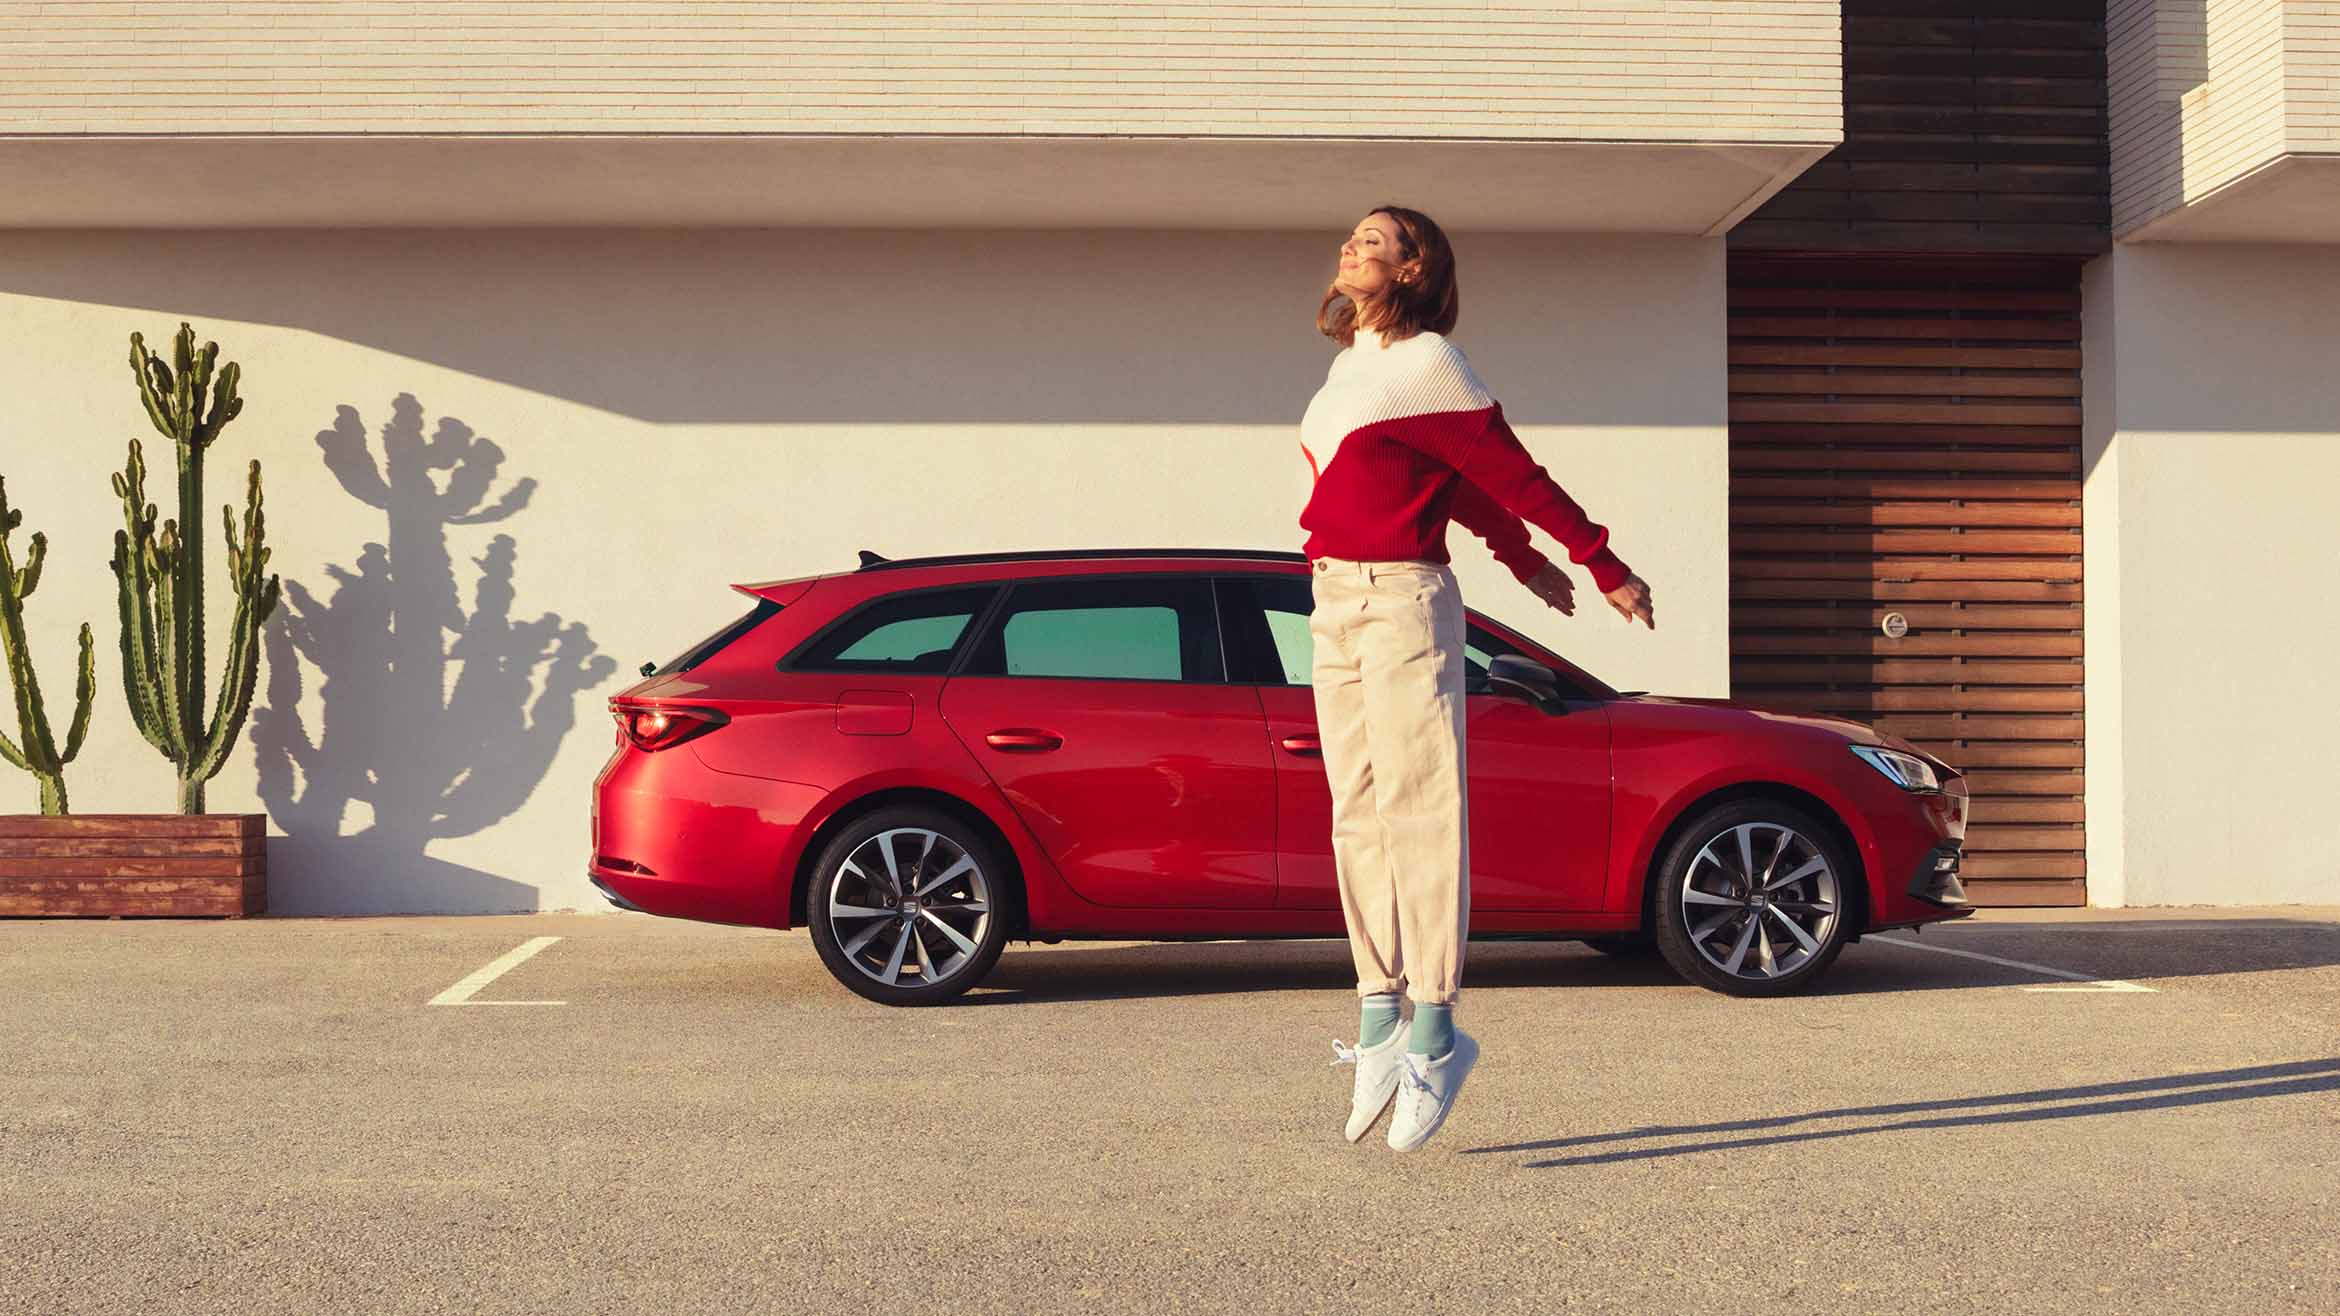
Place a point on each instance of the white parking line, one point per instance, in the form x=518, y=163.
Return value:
x=2087, y=984
x=461, y=993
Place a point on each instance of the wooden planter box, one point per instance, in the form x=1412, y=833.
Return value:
x=134, y=863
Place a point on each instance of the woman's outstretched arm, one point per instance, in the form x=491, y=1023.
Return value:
x=1492, y=458
x=1506, y=535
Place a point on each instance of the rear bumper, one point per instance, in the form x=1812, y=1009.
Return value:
x=676, y=838
x=651, y=893
x=609, y=893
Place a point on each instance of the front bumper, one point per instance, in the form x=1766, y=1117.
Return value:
x=1935, y=879
x=1918, y=854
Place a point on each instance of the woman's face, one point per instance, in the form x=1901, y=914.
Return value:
x=1370, y=258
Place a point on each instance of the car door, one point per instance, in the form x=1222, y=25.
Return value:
x=1101, y=707
x=1538, y=782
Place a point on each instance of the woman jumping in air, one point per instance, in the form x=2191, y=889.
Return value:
x=1402, y=437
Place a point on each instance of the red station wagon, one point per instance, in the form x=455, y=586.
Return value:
x=923, y=758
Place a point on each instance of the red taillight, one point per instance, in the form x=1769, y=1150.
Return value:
x=663, y=728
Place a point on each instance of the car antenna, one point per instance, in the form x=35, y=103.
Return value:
x=870, y=559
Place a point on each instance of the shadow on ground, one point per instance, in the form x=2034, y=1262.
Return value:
x=2136, y=950
x=2173, y=1090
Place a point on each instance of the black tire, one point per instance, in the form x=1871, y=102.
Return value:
x=1727, y=930
x=1625, y=945
x=860, y=954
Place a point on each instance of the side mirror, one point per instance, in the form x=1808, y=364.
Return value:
x=1522, y=678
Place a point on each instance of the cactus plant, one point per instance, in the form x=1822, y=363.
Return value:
x=160, y=574
x=38, y=755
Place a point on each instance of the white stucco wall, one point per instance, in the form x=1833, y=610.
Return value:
x=2212, y=453
x=695, y=407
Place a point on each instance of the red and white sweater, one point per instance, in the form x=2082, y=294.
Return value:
x=1402, y=437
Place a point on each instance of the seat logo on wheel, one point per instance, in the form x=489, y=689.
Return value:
x=1759, y=900
x=909, y=907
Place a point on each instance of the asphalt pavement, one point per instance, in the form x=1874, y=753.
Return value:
x=2107, y=1111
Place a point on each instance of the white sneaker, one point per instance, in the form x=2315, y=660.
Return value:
x=1426, y=1092
x=1377, y=1077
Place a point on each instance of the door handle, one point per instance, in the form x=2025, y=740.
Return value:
x=1307, y=744
x=1023, y=740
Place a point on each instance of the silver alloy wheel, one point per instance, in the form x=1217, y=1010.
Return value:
x=1759, y=921
x=919, y=904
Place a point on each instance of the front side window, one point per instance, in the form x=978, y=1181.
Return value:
x=1272, y=611
x=905, y=634
x=1128, y=628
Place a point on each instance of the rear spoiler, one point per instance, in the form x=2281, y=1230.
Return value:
x=782, y=592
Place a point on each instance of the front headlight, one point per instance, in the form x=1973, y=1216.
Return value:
x=1907, y=771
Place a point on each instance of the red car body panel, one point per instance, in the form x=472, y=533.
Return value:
x=1155, y=809
x=1126, y=830
x=1521, y=764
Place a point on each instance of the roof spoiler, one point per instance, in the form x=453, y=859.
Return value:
x=782, y=592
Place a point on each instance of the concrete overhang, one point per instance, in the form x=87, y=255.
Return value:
x=376, y=181
x=2291, y=198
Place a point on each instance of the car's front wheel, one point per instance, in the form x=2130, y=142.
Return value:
x=1753, y=899
x=908, y=906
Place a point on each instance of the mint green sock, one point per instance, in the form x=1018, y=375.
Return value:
x=1433, y=1034
x=1377, y=1019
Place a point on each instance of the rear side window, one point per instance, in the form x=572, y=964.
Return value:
x=713, y=644
x=1150, y=628
x=913, y=634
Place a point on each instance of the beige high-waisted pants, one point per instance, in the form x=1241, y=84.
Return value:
x=1388, y=677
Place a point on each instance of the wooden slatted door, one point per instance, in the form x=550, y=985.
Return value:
x=1905, y=438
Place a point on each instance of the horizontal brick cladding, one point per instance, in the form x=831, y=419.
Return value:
x=1625, y=70
x=2197, y=94
x=2311, y=76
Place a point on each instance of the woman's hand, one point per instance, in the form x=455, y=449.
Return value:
x=1553, y=586
x=1631, y=600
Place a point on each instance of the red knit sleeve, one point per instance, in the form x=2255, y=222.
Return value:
x=1494, y=460
x=1506, y=535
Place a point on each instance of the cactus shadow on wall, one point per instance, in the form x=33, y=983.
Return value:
x=436, y=720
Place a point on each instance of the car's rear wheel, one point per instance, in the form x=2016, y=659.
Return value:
x=908, y=906
x=1754, y=899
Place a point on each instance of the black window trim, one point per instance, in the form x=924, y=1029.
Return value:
x=1590, y=688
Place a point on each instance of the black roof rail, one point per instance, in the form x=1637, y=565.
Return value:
x=872, y=562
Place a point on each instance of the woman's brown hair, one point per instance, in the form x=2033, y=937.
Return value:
x=1430, y=300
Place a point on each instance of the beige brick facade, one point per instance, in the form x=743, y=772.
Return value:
x=2202, y=94
x=2311, y=84
x=1763, y=71
x=2196, y=97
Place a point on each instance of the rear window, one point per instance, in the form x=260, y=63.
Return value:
x=905, y=634
x=713, y=644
